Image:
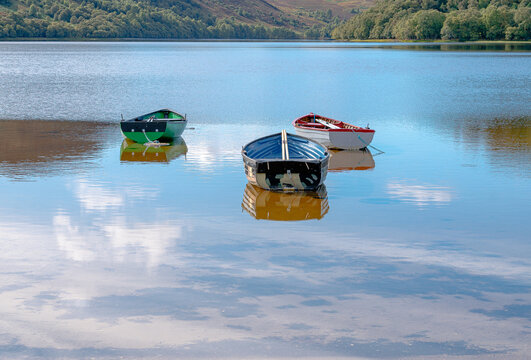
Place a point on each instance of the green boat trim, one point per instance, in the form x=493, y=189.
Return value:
x=160, y=124
x=159, y=114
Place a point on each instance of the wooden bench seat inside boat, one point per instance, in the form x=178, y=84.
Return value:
x=327, y=124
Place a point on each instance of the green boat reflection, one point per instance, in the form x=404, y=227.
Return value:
x=346, y=160
x=133, y=151
x=281, y=206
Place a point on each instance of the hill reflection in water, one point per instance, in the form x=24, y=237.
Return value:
x=506, y=141
x=472, y=46
x=33, y=148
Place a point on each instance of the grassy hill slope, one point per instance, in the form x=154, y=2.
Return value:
x=340, y=8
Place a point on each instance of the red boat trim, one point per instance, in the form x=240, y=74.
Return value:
x=336, y=130
x=298, y=123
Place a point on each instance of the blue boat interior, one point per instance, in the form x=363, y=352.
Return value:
x=270, y=147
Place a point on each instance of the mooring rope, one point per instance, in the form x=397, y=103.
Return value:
x=151, y=142
x=374, y=147
x=144, y=132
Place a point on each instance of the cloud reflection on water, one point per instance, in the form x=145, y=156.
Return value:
x=254, y=295
x=96, y=197
x=420, y=195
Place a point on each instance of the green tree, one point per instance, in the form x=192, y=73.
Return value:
x=496, y=20
x=427, y=24
x=33, y=11
x=463, y=25
x=522, y=28
x=312, y=33
x=404, y=29
x=56, y=30
x=64, y=15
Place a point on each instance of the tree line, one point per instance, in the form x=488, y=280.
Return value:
x=461, y=20
x=160, y=19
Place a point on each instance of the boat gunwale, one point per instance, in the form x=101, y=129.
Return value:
x=306, y=160
x=261, y=160
x=134, y=119
x=355, y=128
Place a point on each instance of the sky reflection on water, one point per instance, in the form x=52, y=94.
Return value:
x=142, y=259
x=420, y=251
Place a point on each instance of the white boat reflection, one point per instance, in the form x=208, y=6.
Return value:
x=282, y=206
x=132, y=151
x=346, y=160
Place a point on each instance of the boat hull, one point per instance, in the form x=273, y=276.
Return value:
x=285, y=162
x=285, y=175
x=147, y=131
x=161, y=124
x=338, y=139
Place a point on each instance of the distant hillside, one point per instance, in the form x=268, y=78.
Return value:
x=340, y=8
x=441, y=19
x=173, y=19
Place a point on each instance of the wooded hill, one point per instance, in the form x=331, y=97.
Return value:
x=171, y=19
x=441, y=19
x=266, y=19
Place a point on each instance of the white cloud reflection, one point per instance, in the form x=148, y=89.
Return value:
x=152, y=238
x=76, y=244
x=421, y=195
x=252, y=292
x=95, y=197
x=143, y=242
x=219, y=142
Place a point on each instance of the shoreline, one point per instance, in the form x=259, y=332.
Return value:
x=200, y=121
x=97, y=40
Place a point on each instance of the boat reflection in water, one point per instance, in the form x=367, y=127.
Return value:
x=132, y=151
x=346, y=160
x=285, y=206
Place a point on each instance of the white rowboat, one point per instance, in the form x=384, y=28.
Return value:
x=332, y=133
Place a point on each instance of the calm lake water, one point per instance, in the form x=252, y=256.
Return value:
x=110, y=249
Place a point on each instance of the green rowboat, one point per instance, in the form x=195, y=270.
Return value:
x=157, y=125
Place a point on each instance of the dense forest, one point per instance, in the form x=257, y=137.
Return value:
x=160, y=19
x=441, y=19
